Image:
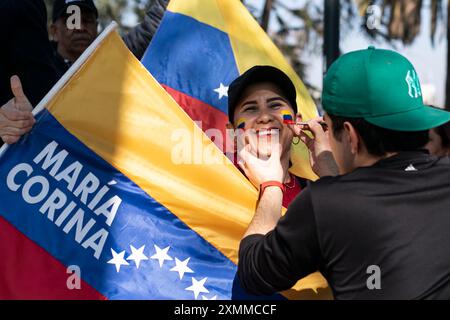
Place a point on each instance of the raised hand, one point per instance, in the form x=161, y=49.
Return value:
x=16, y=118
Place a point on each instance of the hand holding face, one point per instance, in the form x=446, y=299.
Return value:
x=259, y=169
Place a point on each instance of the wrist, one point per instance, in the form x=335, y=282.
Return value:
x=268, y=184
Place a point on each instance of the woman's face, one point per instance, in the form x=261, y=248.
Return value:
x=435, y=146
x=261, y=110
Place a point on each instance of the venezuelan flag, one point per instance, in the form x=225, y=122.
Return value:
x=116, y=184
x=287, y=115
x=201, y=46
x=241, y=123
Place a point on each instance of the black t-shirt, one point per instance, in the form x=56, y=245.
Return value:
x=26, y=50
x=384, y=226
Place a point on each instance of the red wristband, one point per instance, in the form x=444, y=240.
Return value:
x=266, y=184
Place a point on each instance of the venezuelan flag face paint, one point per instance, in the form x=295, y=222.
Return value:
x=241, y=123
x=288, y=118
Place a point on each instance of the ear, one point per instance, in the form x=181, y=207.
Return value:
x=447, y=151
x=352, y=137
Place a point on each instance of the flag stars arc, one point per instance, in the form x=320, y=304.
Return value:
x=181, y=267
x=137, y=255
x=161, y=255
x=197, y=287
x=222, y=91
x=118, y=259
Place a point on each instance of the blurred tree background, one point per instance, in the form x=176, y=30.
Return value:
x=296, y=26
x=401, y=20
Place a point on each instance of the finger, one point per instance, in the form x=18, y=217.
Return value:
x=249, y=156
x=307, y=140
x=20, y=124
x=243, y=156
x=296, y=129
x=252, y=141
x=316, y=128
x=16, y=115
x=17, y=90
x=241, y=164
x=13, y=131
x=276, y=151
x=10, y=139
x=275, y=147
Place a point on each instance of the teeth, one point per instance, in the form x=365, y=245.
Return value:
x=267, y=132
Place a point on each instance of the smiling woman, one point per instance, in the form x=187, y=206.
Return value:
x=261, y=107
x=259, y=100
x=259, y=103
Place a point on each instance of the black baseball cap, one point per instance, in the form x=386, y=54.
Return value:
x=60, y=7
x=259, y=74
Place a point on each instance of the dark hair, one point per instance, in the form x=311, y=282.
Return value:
x=444, y=132
x=379, y=141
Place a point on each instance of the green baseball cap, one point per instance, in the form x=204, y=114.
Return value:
x=382, y=87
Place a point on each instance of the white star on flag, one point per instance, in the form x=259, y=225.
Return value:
x=118, y=259
x=198, y=287
x=205, y=298
x=222, y=91
x=137, y=255
x=161, y=255
x=181, y=267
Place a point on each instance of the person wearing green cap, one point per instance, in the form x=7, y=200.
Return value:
x=379, y=230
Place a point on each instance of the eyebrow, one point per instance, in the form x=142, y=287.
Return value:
x=248, y=103
x=254, y=102
x=277, y=99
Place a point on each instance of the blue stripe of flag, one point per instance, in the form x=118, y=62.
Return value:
x=192, y=57
x=140, y=221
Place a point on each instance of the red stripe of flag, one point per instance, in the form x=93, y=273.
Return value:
x=31, y=273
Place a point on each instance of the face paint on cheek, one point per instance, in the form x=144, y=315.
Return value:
x=241, y=123
x=287, y=116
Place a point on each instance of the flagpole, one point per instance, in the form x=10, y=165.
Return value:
x=70, y=73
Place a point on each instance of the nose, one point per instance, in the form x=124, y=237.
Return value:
x=264, y=116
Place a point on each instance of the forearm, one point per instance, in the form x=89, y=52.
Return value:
x=268, y=212
x=325, y=165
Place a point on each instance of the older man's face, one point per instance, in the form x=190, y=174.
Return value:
x=72, y=43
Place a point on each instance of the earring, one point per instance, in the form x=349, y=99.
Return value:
x=298, y=141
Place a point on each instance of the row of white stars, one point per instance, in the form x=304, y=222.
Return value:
x=137, y=255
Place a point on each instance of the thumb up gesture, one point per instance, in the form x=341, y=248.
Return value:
x=16, y=118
